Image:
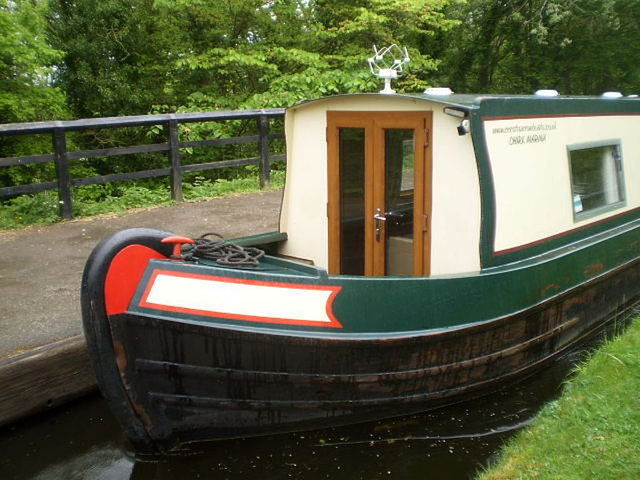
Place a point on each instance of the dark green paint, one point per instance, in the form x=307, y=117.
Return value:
x=383, y=306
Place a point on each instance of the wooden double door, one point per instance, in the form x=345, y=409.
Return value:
x=379, y=193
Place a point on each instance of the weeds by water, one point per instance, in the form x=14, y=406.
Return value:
x=592, y=431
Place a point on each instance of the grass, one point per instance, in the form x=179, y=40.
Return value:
x=43, y=208
x=592, y=431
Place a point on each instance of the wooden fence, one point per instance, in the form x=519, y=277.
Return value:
x=172, y=146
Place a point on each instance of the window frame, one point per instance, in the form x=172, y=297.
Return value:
x=596, y=211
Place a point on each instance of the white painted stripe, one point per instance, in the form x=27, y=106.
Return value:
x=240, y=299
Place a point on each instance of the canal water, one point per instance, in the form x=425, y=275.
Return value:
x=83, y=441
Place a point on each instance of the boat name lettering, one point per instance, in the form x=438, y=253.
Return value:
x=524, y=139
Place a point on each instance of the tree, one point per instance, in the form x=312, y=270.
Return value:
x=600, y=47
x=307, y=49
x=134, y=57
x=346, y=33
x=576, y=46
x=117, y=55
x=27, y=64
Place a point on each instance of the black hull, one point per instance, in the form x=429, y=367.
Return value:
x=171, y=382
x=222, y=389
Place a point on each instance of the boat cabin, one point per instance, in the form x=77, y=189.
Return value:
x=428, y=185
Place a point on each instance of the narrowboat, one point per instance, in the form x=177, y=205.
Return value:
x=432, y=247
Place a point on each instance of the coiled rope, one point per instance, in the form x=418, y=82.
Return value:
x=223, y=252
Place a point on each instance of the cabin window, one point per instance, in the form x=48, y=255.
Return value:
x=596, y=178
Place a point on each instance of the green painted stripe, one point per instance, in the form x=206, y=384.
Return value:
x=388, y=306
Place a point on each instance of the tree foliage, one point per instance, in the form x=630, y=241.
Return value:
x=518, y=46
x=27, y=63
x=118, y=57
x=90, y=58
x=168, y=55
x=115, y=54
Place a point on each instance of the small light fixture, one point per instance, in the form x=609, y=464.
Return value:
x=454, y=112
x=547, y=93
x=464, y=127
x=438, y=91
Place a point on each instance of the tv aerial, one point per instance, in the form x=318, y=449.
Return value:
x=387, y=64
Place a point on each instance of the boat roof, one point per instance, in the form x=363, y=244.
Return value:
x=608, y=102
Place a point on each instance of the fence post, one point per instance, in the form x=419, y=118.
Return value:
x=263, y=148
x=174, y=159
x=62, y=173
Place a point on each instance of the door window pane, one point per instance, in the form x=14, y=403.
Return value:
x=352, y=156
x=400, y=160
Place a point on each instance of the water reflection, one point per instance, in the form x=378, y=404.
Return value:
x=101, y=462
x=83, y=441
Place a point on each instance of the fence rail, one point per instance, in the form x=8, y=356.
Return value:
x=175, y=169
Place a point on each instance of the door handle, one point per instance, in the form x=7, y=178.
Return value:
x=379, y=218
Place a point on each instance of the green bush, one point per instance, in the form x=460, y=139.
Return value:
x=125, y=198
x=38, y=209
x=43, y=208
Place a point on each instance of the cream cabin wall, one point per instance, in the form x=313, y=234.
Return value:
x=530, y=165
x=456, y=211
x=455, y=222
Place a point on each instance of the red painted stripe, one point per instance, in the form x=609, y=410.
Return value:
x=562, y=234
x=560, y=115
